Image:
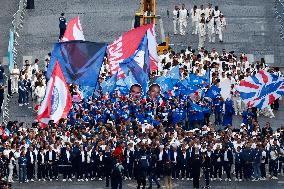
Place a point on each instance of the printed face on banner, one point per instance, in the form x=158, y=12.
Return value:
x=154, y=91
x=135, y=91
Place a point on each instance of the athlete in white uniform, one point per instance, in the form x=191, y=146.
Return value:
x=195, y=19
x=183, y=16
x=175, y=19
x=202, y=33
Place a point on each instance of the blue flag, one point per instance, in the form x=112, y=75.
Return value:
x=124, y=84
x=139, y=65
x=213, y=92
x=87, y=91
x=10, y=51
x=174, y=73
x=165, y=83
x=109, y=85
x=80, y=61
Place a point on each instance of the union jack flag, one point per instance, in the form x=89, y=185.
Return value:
x=261, y=89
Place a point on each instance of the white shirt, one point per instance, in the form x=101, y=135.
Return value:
x=50, y=155
x=194, y=15
x=175, y=13
x=68, y=155
x=32, y=157
x=183, y=14
x=83, y=156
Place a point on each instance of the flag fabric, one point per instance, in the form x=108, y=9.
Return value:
x=80, y=61
x=194, y=79
x=124, y=84
x=125, y=46
x=165, y=83
x=261, y=89
x=87, y=91
x=109, y=85
x=10, y=51
x=213, y=92
x=139, y=65
x=152, y=46
x=57, y=101
x=174, y=74
x=73, y=31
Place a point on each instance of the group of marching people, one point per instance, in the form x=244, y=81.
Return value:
x=126, y=150
x=207, y=21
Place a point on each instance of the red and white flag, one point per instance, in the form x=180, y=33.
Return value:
x=126, y=45
x=57, y=101
x=73, y=31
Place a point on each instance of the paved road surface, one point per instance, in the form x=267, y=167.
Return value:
x=279, y=184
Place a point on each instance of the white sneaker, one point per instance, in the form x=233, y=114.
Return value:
x=78, y=180
x=236, y=179
x=86, y=179
x=240, y=180
x=100, y=179
x=39, y=179
x=220, y=179
x=63, y=180
x=32, y=180
x=187, y=178
x=182, y=178
x=226, y=179
x=20, y=104
x=158, y=179
x=229, y=180
x=70, y=180
x=274, y=178
x=129, y=178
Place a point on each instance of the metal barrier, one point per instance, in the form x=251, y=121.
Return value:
x=17, y=25
x=4, y=109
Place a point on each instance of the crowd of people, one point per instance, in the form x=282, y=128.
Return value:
x=149, y=135
x=152, y=136
x=204, y=22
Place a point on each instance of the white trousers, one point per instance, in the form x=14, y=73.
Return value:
x=182, y=26
x=194, y=27
x=14, y=84
x=211, y=36
x=237, y=105
x=201, y=41
x=175, y=26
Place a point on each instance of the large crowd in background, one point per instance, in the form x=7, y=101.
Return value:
x=146, y=136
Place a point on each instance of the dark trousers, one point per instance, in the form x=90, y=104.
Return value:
x=62, y=31
x=100, y=171
x=89, y=170
x=55, y=169
x=22, y=97
x=207, y=175
x=49, y=170
x=67, y=171
x=274, y=167
x=141, y=181
x=247, y=170
x=82, y=170
x=239, y=170
x=107, y=175
x=153, y=177
x=41, y=171
x=218, y=169
x=227, y=169
x=159, y=168
x=196, y=176
x=183, y=171
x=218, y=118
x=175, y=170
x=30, y=171
x=262, y=170
x=188, y=171
x=128, y=170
